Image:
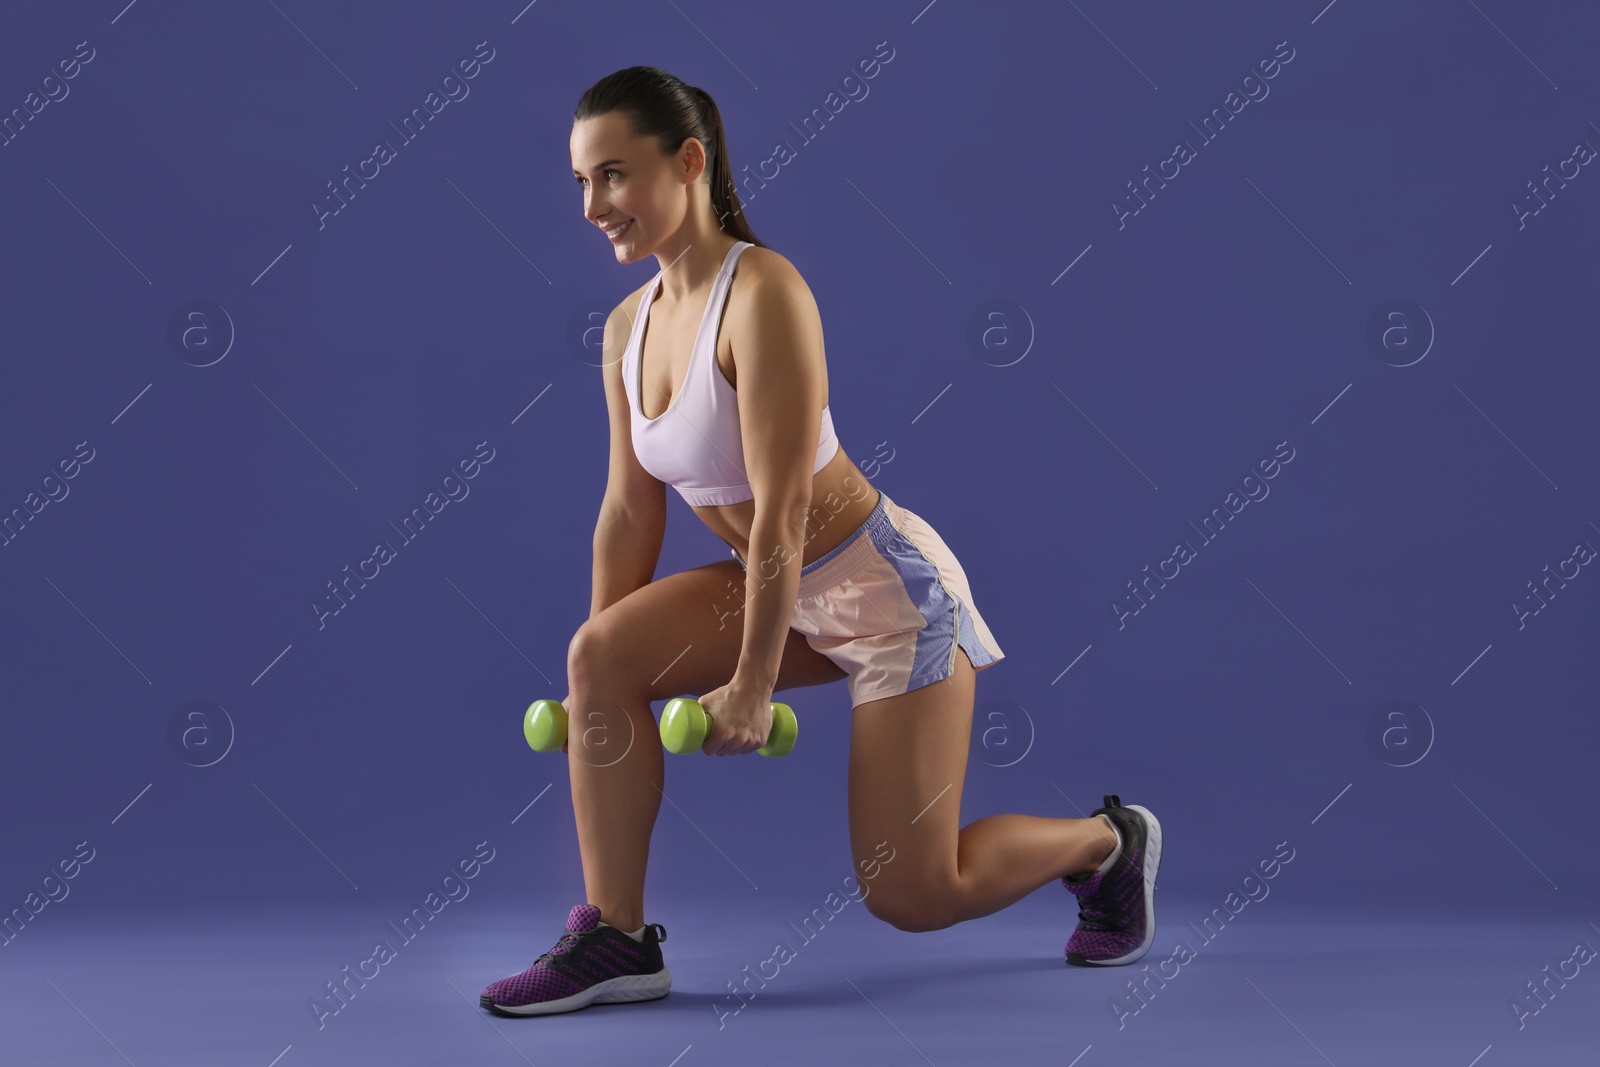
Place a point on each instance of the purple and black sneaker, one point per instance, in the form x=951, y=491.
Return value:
x=591, y=964
x=1116, y=907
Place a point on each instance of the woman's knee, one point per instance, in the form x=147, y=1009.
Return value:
x=913, y=908
x=597, y=674
x=606, y=714
x=582, y=651
x=592, y=657
x=912, y=916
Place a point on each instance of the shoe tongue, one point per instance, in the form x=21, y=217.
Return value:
x=583, y=918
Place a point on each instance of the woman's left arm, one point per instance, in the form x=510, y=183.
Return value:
x=778, y=350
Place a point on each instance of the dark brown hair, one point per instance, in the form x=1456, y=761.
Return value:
x=657, y=104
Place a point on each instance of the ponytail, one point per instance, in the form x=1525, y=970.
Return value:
x=724, y=193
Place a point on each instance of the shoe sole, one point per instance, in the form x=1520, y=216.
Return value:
x=622, y=989
x=1152, y=863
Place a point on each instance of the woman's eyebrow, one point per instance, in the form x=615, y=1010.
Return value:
x=607, y=163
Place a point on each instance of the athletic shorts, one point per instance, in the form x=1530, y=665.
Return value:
x=891, y=606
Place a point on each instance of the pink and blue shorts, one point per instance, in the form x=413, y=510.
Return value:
x=890, y=606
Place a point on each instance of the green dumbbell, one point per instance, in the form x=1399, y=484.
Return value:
x=545, y=725
x=685, y=726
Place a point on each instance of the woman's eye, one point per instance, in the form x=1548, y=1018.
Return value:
x=581, y=179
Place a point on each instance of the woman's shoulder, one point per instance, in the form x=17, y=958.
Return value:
x=769, y=264
x=765, y=259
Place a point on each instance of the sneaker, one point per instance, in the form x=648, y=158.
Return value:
x=591, y=964
x=1116, y=907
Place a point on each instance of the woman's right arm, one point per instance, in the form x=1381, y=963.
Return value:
x=633, y=514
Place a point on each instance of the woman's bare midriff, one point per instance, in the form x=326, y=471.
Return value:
x=841, y=496
x=841, y=500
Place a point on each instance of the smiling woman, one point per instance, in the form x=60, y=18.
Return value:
x=716, y=383
x=663, y=109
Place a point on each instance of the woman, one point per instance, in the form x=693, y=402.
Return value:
x=715, y=383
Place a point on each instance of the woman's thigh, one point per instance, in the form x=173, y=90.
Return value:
x=908, y=763
x=681, y=635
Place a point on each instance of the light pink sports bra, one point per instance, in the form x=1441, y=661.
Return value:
x=694, y=445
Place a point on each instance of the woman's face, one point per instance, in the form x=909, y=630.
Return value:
x=628, y=183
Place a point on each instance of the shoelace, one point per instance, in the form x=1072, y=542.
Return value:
x=1092, y=917
x=559, y=949
x=564, y=954
x=1092, y=912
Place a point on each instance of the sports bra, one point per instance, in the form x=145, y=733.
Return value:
x=695, y=445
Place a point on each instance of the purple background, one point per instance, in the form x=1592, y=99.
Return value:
x=1102, y=410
